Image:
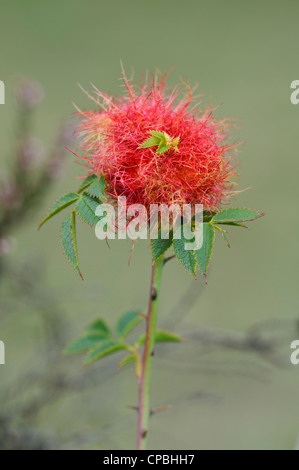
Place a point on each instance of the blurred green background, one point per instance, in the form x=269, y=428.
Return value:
x=243, y=55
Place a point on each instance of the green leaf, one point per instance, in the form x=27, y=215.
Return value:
x=151, y=142
x=163, y=147
x=236, y=214
x=162, y=140
x=99, y=327
x=223, y=233
x=162, y=336
x=203, y=255
x=158, y=138
x=127, y=360
x=207, y=216
x=97, y=188
x=158, y=134
x=83, y=343
x=86, y=207
x=234, y=224
x=175, y=142
x=62, y=203
x=87, y=182
x=127, y=322
x=186, y=257
x=104, y=349
x=69, y=241
x=96, y=332
x=161, y=245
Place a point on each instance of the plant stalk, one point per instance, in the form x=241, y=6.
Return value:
x=148, y=352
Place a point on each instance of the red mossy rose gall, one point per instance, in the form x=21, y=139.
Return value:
x=195, y=166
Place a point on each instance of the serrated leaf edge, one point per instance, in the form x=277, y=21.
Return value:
x=82, y=350
x=96, y=197
x=85, y=186
x=76, y=268
x=167, y=248
x=260, y=214
x=50, y=212
x=194, y=273
x=208, y=263
x=81, y=197
x=104, y=353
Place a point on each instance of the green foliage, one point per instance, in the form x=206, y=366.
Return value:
x=160, y=245
x=223, y=233
x=163, y=147
x=186, y=257
x=200, y=258
x=203, y=254
x=95, y=333
x=151, y=142
x=159, y=135
x=207, y=216
x=162, y=336
x=99, y=327
x=104, y=349
x=161, y=140
x=86, y=207
x=97, y=188
x=195, y=258
x=98, y=339
x=127, y=360
x=233, y=224
x=83, y=343
x=89, y=197
x=127, y=322
x=87, y=182
x=62, y=203
x=69, y=241
x=236, y=214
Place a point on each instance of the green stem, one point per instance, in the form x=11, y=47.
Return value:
x=148, y=352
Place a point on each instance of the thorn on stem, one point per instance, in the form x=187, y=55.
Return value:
x=144, y=433
x=131, y=407
x=143, y=315
x=168, y=259
x=160, y=408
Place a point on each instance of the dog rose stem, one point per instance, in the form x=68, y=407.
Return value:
x=148, y=352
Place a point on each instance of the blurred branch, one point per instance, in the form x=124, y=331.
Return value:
x=33, y=169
